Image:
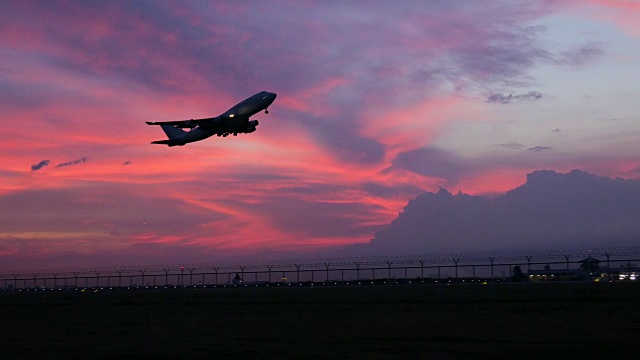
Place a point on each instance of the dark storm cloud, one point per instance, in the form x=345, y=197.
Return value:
x=576, y=209
x=508, y=98
x=390, y=191
x=82, y=160
x=538, y=148
x=40, y=165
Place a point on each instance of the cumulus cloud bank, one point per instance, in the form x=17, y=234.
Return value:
x=575, y=209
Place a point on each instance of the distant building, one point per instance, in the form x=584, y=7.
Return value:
x=591, y=266
x=589, y=269
x=236, y=280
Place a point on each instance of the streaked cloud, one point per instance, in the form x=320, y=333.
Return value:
x=82, y=160
x=538, y=148
x=40, y=165
x=511, y=145
x=508, y=98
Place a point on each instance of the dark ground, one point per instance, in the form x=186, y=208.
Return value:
x=460, y=321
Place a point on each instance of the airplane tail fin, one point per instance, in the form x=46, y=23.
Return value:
x=172, y=131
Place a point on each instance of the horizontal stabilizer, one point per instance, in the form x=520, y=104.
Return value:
x=163, y=142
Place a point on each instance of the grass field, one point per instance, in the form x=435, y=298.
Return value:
x=461, y=321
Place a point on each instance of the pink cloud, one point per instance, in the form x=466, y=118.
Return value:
x=623, y=13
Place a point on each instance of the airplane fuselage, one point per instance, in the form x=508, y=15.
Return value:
x=233, y=121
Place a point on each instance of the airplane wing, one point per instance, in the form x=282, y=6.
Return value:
x=187, y=123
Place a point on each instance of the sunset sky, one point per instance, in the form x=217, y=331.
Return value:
x=378, y=102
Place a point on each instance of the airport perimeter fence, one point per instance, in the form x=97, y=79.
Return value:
x=613, y=264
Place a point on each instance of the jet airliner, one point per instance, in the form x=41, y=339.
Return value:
x=233, y=121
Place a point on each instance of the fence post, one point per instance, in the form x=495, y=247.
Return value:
x=269, y=267
x=456, y=265
x=327, y=266
x=191, y=276
x=119, y=278
x=491, y=260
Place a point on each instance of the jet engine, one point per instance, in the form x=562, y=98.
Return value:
x=251, y=126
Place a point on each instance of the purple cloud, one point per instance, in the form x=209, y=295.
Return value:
x=40, y=165
x=82, y=160
x=581, y=56
x=508, y=98
x=576, y=210
x=538, y=148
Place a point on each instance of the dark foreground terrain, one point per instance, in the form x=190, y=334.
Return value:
x=462, y=321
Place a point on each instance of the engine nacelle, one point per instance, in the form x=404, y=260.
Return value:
x=251, y=126
x=188, y=124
